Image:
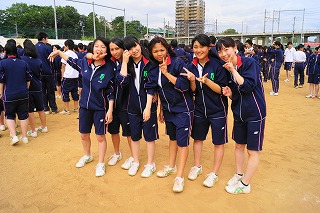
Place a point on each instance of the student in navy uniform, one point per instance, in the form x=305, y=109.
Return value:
x=213, y=41
x=249, y=112
x=277, y=59
x=142, y=110
x=35, y=89
x=120, y=111
x=14, y=82
x=211, y=107
x=96, y=103
x=176, y=108
x=313, y=72
x=248, y=51
x=48, y=86
x=57, y=71
x=2, y=126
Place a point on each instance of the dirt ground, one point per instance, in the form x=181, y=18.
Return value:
x=41, y=176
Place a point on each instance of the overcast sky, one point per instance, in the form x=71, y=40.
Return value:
x=242, y=15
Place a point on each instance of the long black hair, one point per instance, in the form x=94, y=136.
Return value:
x=164, y=43
x=129, y=42
x=117, y=41
x=204, y=40
x=106, y=42
x=30, y=49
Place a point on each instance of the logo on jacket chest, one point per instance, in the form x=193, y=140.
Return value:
x=101, y=77
x=212, y=76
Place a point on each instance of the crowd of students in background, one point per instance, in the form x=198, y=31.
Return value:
x=121, y=82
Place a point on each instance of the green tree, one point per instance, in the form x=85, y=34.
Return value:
x=229, y=32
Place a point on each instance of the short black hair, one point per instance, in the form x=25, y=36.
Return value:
x=42, y=35
x=174, y=43
x=30, y=50
x=289, y=43
x=69, y=43
x=213, y=39
x=249, y=42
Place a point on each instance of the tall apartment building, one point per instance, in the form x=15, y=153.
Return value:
x=190, y=17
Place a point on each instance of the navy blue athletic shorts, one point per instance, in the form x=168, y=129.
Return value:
x=20, y=107
x=218, y=129
x=313, y=79
x=250, y=133
x=35, y=101
x=178, y=127
x=120, y=117
x=150, y=128
x=287, y=65
x=69, y=85
x=88, y=117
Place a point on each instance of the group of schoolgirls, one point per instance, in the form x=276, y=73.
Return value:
x=21, y=91
x=123, y=83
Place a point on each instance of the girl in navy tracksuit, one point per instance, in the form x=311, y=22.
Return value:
x=313, y=72
x=57, y=71
x=176, y=106
x=120, y=111
x=135, y=74
x=14, y=82
x=96, y=103
x=249, y=112
x=35, y=89
x=276, y=62
x=210, y=105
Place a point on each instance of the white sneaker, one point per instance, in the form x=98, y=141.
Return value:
x=24, y=140
x=166, y=171
x=100, y=169
x=194, y=172
x=14, y=140
x=238, y=188
x=47, y=112
x=127, y=163
x=32, y=134
x=212, y=178
x=178, y=184
x=309, y=96
x=114, y=159
x=42, y=130
x=286, y=80
x=272, y=93
x=133, y=169
x=235, y=179
x=64, y=112
x=148, y=170
x=84, y=160
x=2, y=127
x=275, y=94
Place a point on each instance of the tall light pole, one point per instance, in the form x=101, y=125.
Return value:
x=94, y=22
x=147, y=27
x=55, y=18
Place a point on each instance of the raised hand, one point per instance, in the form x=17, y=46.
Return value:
x=163, y=66
x=190, y=76
x=203, y=79
x=125, y=56
x=53, y=55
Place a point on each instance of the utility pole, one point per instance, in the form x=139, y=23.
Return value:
x=302, y=36
x=55, y=18
x=94, y=22
x=294, y=22
x=164, y=27
x=147, y=27
x=272, y=27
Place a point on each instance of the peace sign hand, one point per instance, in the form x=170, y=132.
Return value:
x=203, y=79
x=163, y=66
x=190, y=76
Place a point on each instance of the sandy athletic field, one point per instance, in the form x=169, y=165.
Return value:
x=41, y=176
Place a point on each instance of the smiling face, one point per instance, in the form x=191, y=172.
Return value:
x=201, y=52
x=135, y=51
x=227, y=53
x=99, y=47
x=116, y=51
x=159, y=52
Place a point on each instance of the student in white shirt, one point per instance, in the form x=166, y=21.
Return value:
x=69, y=82
x=288, y=59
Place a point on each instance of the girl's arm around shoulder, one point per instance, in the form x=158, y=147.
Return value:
x=250, y=73
x=75, y=63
